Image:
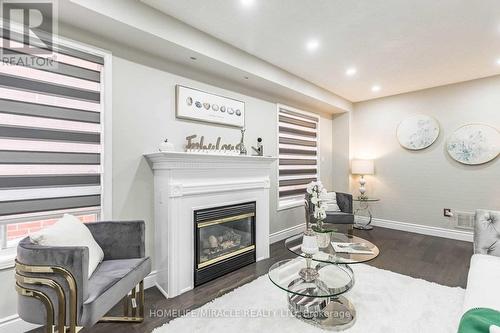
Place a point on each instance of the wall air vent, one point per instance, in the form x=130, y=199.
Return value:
x=464, y=220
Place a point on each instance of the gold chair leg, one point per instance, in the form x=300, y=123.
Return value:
x=133, y=299
x=141, y=299
x=137, y=310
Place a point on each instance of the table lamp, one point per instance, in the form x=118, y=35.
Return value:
x=362, y=167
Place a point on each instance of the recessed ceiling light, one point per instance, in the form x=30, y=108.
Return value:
x=376, y=88
x=247, y=3
x=498, y=61
x=312, y=44
x=351, y=71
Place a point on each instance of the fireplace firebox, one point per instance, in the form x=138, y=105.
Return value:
x=224, y=240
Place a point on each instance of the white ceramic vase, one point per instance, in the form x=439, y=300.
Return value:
x=166, y=146
x=309, y=244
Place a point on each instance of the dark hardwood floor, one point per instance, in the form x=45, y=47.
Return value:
x=434, y=259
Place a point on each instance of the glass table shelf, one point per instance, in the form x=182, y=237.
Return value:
x=333, y=280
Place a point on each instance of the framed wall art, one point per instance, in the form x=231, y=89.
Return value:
x=194, y=104
x=418, y=132
x=474, y=144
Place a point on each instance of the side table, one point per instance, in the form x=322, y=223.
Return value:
x=364, y=206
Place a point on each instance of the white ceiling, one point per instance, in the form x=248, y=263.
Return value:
x=401, y=45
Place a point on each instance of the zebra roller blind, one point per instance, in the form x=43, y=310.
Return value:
x=50, y=132
x=298, y=152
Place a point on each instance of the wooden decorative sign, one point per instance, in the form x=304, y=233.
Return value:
x=201, y=145
x=198, y=105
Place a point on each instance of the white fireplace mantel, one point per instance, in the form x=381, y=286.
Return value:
x=186, y=182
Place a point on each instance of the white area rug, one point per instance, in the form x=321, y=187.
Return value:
x=385, y=302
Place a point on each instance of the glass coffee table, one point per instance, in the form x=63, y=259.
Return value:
x=319, y=300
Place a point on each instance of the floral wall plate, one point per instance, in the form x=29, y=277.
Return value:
x=418, y=132
x=474, y=144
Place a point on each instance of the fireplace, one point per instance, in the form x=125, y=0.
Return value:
x=187, y=182
x=224, y=240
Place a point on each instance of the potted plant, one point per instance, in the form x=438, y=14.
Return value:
x=316, y=207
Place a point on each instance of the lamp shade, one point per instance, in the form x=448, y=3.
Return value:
x=362, y=167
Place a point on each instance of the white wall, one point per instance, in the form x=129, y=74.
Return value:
x=341, y=152
x=415, y=186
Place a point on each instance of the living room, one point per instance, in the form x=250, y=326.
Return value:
x=289, y=165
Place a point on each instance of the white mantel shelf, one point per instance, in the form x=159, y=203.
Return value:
x=186, y=182
x=187, y=160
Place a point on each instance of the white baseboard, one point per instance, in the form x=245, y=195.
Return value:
x=461, y=235
x=285, y=233
x=424, y=230
x=15, y=324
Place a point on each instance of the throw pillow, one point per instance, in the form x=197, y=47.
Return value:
x=70, y=231
x=330, y=200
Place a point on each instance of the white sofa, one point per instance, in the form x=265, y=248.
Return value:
x=483, y=282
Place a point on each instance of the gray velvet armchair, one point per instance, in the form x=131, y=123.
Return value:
x=345, y=217
x=54, y=288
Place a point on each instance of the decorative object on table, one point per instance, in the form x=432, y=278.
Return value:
x=474, y=144
x=351, y=248
x=166, y=146
x=361, y=222
x=213, y=148
x=418, y=132
x=315, y=196
x=203, y=102
x=242, y=148
x=362, y=168
x=260, y=148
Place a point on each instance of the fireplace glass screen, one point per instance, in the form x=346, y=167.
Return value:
x=225, y=239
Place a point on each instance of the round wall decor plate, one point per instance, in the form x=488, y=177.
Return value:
x=474, y=144
x=418, y=132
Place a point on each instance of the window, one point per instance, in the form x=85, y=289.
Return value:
x=51, y=139
x=298, y=154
